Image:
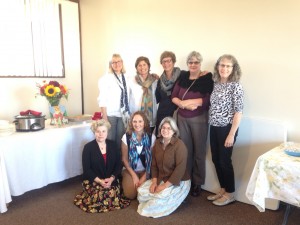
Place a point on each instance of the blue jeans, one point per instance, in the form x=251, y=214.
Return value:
x=117, y=129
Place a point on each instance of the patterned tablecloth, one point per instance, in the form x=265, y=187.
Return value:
x=276, y=175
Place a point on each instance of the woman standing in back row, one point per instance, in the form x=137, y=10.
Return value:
x=165, y=86
x=191, y=94
x=143, y=90
x=225, y=116
x=113, y=99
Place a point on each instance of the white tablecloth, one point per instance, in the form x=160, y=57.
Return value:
x=276, y=175
x=35, y=159
x=4, y=189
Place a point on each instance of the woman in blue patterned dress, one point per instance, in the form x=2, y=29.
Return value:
x=225, y=115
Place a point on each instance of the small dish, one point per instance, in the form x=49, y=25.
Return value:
x=292, y=153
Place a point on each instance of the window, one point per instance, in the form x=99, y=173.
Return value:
x=31, y=39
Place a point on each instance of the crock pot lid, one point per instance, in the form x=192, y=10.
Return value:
x=29, y=117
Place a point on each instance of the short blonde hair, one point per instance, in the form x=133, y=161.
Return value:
x=99, y=123
x=118, y=56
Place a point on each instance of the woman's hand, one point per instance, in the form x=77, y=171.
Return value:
x=108, y=182
x=153, y=187
x=160, y=188
x=229, y=141
x=163, y=186
x=142, y=179
x=136, y=180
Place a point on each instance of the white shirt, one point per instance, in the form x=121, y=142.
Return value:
x=110, y=94
x=139, y=166
x=135, y=101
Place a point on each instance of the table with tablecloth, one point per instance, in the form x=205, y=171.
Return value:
x=276, y=175
x=31, y=160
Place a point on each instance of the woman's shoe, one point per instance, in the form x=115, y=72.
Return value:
x=224, y=200
x=196, y=190
x=214, y=197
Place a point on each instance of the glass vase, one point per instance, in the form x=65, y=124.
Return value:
x=58, y=114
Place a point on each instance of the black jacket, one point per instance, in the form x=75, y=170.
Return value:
x=94, y=165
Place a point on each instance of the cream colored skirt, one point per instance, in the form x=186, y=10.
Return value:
x=162, y=203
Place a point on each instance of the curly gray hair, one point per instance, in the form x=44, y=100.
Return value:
x=99, y=123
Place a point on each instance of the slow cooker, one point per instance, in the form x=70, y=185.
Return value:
x=29, y=123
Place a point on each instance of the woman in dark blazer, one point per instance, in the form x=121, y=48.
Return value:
x=101, y=163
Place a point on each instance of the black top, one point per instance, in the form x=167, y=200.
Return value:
x=166, y=106
x=203, y=84
x=94, y=165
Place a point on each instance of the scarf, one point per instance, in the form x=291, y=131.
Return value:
x=147, y=98
x=133, y=154
x=167, y=85
x=124, y=106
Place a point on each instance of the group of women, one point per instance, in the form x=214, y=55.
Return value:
x=159, y=168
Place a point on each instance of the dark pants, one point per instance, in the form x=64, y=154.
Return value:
x=193, y=133
x=221, y=156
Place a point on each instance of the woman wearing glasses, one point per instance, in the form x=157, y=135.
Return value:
x=191, y=94
x=165, y=86
x=170, y=183
x=224, y=119
x=113, y=99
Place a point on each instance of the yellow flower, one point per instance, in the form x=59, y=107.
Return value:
x=57, y=89
x=50, y=91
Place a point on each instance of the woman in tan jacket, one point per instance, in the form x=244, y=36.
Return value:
x=170, y=183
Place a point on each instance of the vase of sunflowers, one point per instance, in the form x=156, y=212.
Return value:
x=54, y=92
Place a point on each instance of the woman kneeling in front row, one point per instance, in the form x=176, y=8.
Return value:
x=170, y=182
x=101, y=164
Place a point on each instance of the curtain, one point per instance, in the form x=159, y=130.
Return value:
x=30, y=40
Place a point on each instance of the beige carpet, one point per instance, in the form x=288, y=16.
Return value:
x=53, y=205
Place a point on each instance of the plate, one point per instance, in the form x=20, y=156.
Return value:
x=79, y=118
x=292, y=153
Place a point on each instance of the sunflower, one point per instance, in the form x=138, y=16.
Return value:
x=50, y=91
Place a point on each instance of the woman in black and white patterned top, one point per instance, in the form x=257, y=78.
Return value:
x=224, y=119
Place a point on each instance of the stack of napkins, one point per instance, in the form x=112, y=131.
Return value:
x=6, y=128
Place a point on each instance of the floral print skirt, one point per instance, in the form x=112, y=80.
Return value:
x=94, y=198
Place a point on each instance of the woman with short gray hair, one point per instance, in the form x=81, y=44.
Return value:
x=191, y=94
x=170, y=183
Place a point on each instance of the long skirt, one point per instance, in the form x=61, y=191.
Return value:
x=163, y=203
x=94, y=198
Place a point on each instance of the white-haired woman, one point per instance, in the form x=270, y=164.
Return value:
x=170, y=183
x=191, y=94
x=101, y=164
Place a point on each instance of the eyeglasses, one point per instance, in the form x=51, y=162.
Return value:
x=166, y=128
x=225, y=66
x=196, y=63
x=166, y=61
x=116, y=62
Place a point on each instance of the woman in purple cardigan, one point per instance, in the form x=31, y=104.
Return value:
x=191, y=94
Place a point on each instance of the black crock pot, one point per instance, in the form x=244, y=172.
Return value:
x=29, y=123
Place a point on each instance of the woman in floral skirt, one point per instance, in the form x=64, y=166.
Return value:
x=101, y=166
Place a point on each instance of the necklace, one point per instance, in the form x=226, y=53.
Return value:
x=102, y=147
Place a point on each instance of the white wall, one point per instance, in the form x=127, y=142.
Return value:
x=263, y=35
x=18, y=94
